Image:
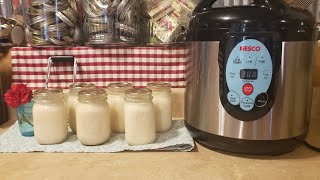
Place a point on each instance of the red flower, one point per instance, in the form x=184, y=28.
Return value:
x=19, y=94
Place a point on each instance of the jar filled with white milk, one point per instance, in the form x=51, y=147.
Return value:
x=50, y=116
x=161, y=93
x=93, y=117
x=139, y=117
x=116, y=93
x=72, y=101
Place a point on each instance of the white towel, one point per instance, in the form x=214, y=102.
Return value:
x=177, y=139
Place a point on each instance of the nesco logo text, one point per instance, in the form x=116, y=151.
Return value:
x=250, y=48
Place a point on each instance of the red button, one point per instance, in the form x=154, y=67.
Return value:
x=247, y=89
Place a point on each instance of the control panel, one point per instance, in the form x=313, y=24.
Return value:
x=249, y=74
x=248, y=65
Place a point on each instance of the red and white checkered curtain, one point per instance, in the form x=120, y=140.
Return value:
x=101, y=66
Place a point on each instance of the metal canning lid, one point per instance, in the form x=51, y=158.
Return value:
x=139, y=91
x=159, y=87
x=119, y=88
x=3, y=20
x=17, y=35
x=81, y=85
x=76, y=87
x=65, y=19
x=69, y=12
x=138, y=94
x=57, y=42
x=47, y=92
x=91, y=92
x=52, y=7
x=68, y=39
x=12, y=22
x=4, y=32
x=90, y=95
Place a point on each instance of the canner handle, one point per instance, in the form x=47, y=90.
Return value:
x=60, y=59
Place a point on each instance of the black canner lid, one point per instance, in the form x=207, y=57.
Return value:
x=292, y=24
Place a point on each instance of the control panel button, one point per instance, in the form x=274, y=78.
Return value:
x=233, y=98
x=232, y=75
x=266, y=74
x=246, y=104
x=247, y=89
x=261, y=100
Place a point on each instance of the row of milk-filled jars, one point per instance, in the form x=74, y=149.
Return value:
x=93, y=113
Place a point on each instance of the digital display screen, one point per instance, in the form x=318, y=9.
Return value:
x=250, y=74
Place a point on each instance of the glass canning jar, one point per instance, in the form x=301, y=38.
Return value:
x=161, y=93
x=99, y=25
x=116, y=92
x=72, y=100
x=132, y=23
x=52, y=23
x=49, y=116
x=93, y=117
x=139, y=117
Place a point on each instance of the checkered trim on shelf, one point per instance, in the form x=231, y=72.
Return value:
x=101, y=66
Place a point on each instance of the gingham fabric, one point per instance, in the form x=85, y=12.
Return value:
x=101, y=66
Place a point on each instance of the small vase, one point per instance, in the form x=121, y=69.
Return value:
x=24, y=115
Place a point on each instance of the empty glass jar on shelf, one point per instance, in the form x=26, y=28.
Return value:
x=99, y=25
x=52, y=23
x=106, y=22
x=115, y=22
x=132, y=22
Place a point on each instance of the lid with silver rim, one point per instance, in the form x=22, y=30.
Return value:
x=76, y=87
x=118, y=88
x=44, y=94
x=159, y=87
x=91, y=95
x=92, y=92
x=81, y=85
x=138, y=95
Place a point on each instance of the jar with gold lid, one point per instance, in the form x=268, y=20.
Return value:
x=72, y=100
x=139, y=117
x=161, y=93
x=93, y=117
x=116, y=92
x=49, y=116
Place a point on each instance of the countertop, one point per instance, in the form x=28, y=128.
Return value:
x=201, y=163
